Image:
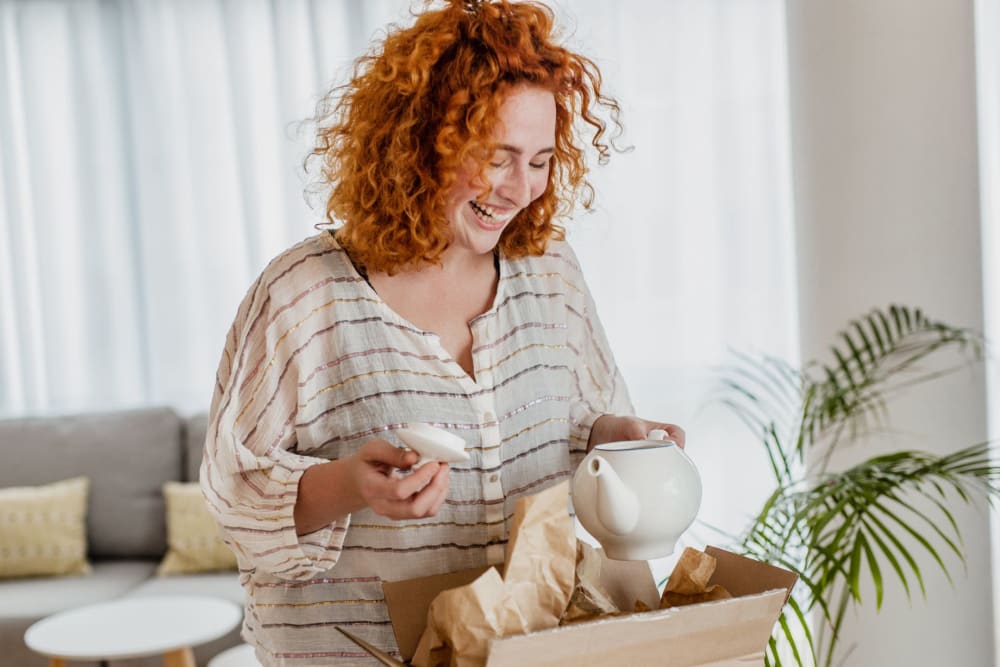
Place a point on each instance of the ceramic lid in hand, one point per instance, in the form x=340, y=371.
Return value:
x=433, y=444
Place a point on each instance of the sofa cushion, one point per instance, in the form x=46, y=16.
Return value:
x=126, y=455
x=43, y=529
x=195, y=428
x=217, y=584
x=32, y=599
x=192, y=534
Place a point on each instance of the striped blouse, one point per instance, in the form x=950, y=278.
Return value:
x=316, y=363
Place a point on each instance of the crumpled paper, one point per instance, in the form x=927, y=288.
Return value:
x=688, y=583
x=537, y=582
x=589, y=598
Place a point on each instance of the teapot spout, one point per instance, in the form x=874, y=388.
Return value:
x=617, y=505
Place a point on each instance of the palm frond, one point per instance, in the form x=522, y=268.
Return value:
x=854, y=388
x=845, y=533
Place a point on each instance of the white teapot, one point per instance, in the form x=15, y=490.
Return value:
x=636, y=497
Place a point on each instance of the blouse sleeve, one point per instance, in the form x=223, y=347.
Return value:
x=250, y=473
x=599, y=387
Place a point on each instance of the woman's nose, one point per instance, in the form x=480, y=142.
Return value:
x=516, y=187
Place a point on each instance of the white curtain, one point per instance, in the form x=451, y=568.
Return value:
x=151, y=165
x=690, y=256
x=150, y=169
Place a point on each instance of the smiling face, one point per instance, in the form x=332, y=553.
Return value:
x=517, y=173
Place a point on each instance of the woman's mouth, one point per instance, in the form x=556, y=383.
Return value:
x=488, y=217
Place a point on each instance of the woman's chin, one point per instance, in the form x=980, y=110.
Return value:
x=480, y=241
x=484, y=247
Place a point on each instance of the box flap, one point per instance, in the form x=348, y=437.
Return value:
x=727, y=632
x=409, y=600
x=744, y=576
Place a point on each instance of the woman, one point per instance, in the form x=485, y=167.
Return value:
x=446, y=296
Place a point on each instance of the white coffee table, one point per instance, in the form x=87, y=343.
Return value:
x=237, y=656
x=134, y=628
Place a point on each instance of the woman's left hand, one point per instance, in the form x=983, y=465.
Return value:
x=613, y=428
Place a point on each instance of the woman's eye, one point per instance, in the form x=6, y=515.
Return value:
x=538, y=165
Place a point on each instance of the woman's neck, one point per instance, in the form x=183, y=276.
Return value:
x=457, y=262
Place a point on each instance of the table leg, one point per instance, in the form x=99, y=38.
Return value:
x=182, y=657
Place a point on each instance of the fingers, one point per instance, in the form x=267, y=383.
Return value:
x=378, y=451
x=416, y=495
x=675, y=433
x=613, y=428
x=403, y=488
x=428, y=501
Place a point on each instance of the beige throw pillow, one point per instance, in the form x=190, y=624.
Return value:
x=193, y=538
x=43, y=529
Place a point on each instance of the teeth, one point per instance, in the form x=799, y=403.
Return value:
x=487, y=211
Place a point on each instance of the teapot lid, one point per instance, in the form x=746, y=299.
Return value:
x=655, y=439
x=630, y=445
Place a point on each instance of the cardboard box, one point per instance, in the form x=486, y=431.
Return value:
x=729, y=632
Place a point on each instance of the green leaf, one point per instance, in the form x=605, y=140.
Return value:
x=873, y=569
x=870, y=320
x=933, y=525
x=859, y=330
x=903, y=551
x=804, y=624
x=918, y=537
x=889, y=556
x=771, y=657
x=886, y=328
x=783, y=622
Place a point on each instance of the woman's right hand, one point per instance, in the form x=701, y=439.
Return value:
x=415, y=496
x=330, y=491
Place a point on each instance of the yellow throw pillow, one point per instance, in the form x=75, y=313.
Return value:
x=43, y=529
x=193, y=538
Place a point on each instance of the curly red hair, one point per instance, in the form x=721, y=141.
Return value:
x=425, y=101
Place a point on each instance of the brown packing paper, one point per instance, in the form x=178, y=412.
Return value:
x=688, y=583
x=410, y=600
x=541, y=556
x=461, y=621
x=532, y=595
x=712, y=634
x=589, y=597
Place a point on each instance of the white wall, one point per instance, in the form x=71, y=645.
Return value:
x=884, y=158
x=988, y=80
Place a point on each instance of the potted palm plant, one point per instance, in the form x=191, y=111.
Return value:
x=841, y=531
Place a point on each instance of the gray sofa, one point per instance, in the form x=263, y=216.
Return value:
x=127, y=456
